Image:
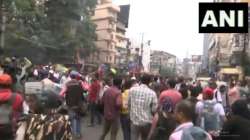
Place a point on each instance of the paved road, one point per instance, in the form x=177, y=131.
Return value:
x=94, y=133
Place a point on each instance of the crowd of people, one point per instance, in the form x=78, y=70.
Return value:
x=145, y=107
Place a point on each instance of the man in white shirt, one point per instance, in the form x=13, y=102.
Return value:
x=184, y=114
x=215, y=110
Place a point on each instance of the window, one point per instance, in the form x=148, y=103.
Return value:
x=107, y=58
x=110, y=58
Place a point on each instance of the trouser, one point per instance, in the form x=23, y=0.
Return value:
x=75, y=120
x=138, y=131
x=110, y=125
x=94, y=113
x=125, y=124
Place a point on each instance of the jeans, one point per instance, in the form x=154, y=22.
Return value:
x=75, y=120
x=138, y=131
x=110, y=125
x=125, y=124
x=94, y=113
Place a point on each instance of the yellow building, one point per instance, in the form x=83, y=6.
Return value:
x=105, y=18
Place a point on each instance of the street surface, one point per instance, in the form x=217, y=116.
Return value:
x=94, y=133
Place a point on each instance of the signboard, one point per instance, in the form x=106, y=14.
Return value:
x=33, y=87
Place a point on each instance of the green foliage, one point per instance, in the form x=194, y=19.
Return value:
x=167, y=71
x=60, y=26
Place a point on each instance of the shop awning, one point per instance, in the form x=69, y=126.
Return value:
x=230, y=71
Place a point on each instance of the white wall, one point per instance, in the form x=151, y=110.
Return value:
x=146, y=58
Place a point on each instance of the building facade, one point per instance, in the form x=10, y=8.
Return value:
x=122, y=42
x=105, y=18
x=226, y=54
x=160, y=61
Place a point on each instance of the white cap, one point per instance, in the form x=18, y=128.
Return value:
x=133, y=78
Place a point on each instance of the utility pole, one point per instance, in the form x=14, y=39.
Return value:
x=142, y=45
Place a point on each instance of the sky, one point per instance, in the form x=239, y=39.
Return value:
x=171, y=25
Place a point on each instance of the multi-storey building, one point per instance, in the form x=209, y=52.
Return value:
x=105, y=18
x=122, y=42
x=161, y=60
x=224, y=53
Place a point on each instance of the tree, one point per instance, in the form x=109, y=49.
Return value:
x=54, y=26
x=168, y=71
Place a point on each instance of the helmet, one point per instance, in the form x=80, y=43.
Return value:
x=5, y=79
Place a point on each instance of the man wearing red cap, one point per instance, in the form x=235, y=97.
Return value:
x=211, y=114
x=10, y=106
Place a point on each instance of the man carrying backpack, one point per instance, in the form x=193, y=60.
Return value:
x=211, y=114
x=10, y=108
x=74, y=101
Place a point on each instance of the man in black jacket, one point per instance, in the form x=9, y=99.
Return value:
x=238, y=125
x=74, y=99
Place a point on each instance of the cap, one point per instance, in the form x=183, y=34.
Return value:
x=209, y=91
x=5, y=79
x=133, y=78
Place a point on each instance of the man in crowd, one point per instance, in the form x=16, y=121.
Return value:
x=171, y=92
x=93, y=98
x=184, y=114
x=10, y=108
x=74, y=100
x=156, y=86
x=238, y=125
x=142, y=106
x=211, y=114
x=112, y=104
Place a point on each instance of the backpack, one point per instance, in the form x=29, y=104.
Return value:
x=6, y=116
x=164, y=128
x=209, y=119
x=194, y=133
x=74, y=93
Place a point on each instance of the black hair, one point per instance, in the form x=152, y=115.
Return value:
x=127, y=84
x=96, y=76
x=240, y=107
x=195, y=91
x=212, y=85
x=117, y=82
x=146, y=79
x=187, y=108
x=181, y=79
x=107, y=81
x=222, y=88
x=171, y=83
x=184, y=91
x=155, y=79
